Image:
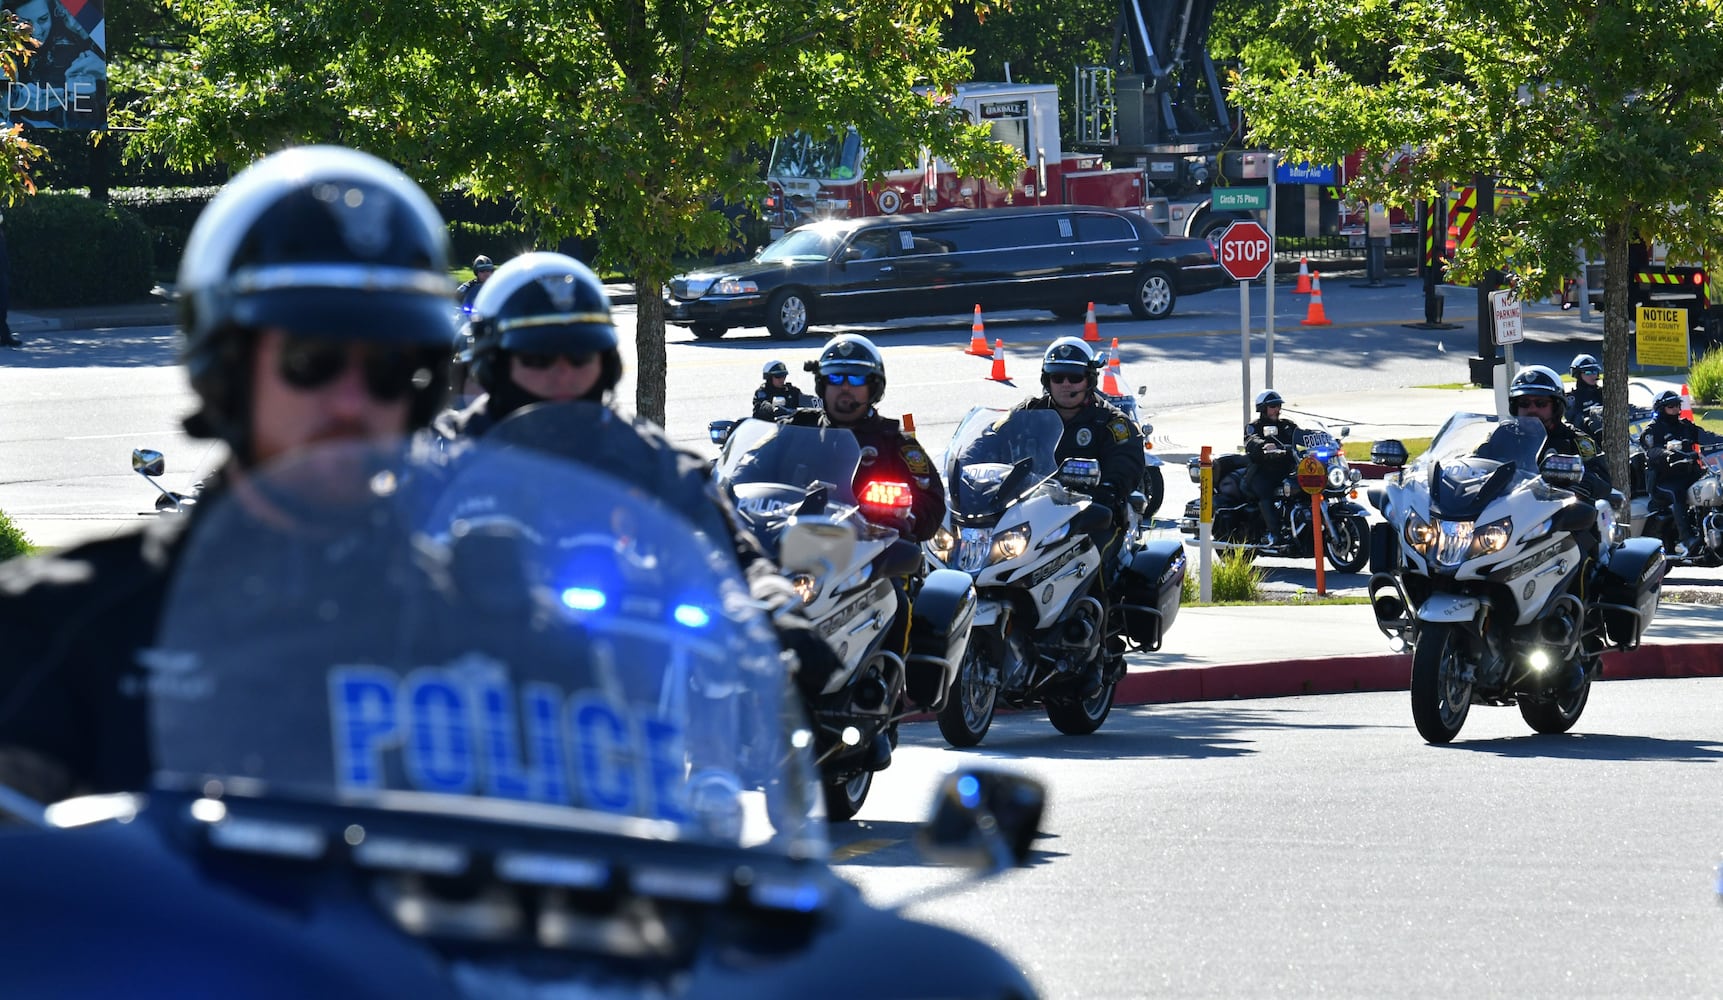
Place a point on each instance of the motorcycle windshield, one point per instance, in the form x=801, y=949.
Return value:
x=1475, y=459
x=997, y=456
x=497, y=636
x=770, y=472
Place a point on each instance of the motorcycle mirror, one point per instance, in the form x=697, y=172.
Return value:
x=815, y=545
x=1390, y=452
x=718, y=430
x=1080, y=472
x=148, y=462
x=984, y=820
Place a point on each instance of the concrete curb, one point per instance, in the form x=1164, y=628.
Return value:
x=1387, y=672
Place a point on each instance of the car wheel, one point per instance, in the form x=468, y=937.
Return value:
x=1154, y=295
x=708, y=331
x=787, y=315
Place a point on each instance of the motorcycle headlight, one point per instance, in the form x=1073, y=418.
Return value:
x=807, y=586
x=1418, y=533
x=1337, y=477
x=734, y=286
x=1011, y=543
x=1490, y=538
x=941, y=544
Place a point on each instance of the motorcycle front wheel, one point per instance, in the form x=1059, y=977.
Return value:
x=1349, y=550
x=844, y=797
x=1076, y=716
x=1154, y=490
x=1440, y=696
x=1558, y=714
x=968, y=711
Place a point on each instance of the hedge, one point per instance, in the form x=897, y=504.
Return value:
x=66, y=250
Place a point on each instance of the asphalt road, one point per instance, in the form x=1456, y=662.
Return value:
x=1306, y=847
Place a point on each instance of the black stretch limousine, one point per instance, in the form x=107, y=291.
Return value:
x=1057, y=258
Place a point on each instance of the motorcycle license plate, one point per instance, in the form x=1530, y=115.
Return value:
x=1448, y=608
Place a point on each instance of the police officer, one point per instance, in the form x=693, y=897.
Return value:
x=851, y=375
x=1536, y=391
x=1269, y=441
x=543, y=334
x=1671, y=464
x=1585, y=402
x=1094, y=428
x=776, y=393
x=469, y=290
x=314, y=304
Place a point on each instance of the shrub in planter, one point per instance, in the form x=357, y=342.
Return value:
x=67, y=250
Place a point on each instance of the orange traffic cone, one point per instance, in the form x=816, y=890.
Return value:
x=1686, y=403
x=998, y=373
x=1110, y=381
x=1303, y=277
x=1315, y=316
x=1090, y=331
x=978, y=336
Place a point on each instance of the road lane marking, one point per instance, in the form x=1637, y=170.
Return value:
x=861, y=847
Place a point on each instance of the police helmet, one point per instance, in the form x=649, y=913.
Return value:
x=1267, y=398
x=543, y=303
x=1537, y=380
x=1070, y=356
x=775, y=369
x=322, y=241
x=483, y=265
x=1585, y=364
x=1668, y=397
x=849, y=354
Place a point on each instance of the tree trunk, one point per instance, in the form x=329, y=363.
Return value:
x=1616, y=342
x=653, y=362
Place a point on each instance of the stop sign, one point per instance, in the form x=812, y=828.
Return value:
x=1244, y=250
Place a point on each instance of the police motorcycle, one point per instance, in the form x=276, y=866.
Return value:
x=1238, y=523
x=786, y=481
x=397, y=763
x=151, y=464
x=1505, y=585
x=1704, y=509
x=1017, y=525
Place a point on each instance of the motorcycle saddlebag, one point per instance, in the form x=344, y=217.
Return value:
x=1628, y=587
x=939, y=622
x=1149, y=591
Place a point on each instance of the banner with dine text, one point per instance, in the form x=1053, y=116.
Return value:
x=64, y=83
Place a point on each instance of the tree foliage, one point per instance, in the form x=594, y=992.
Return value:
x=1608, y=111
x=18, y=154
x=616, y=118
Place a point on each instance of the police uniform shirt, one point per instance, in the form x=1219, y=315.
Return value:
x=1101, y=431
x=888, y=453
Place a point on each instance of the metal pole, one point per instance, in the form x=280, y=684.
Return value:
x=1268, y=311
x=1205, y=527
x=1244, y=343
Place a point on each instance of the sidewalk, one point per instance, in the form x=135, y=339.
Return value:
x=159, y=310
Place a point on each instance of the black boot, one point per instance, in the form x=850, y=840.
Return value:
x=9, y=339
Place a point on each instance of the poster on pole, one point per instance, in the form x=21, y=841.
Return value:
x=1661, y=337
x=64, y=83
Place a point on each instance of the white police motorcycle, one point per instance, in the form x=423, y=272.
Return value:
x=1505, y=585
x=1020, y=528
x=534, y=748
x=793, y=487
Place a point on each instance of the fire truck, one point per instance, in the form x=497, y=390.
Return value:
x=1153, y=135
x=814, y=178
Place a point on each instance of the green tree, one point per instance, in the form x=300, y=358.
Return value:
x=18, y=153
x=625, y=120
x=1609, y=111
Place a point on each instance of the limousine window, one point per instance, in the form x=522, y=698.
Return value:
x=871, y=244
x=1102, y=228
x=1001, y=234
x=816, y=242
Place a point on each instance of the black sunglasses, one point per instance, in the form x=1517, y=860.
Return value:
x=307, y=363
x=539, y=362
x=856, y=380
x=1057, y=377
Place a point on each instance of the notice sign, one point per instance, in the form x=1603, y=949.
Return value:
x=1661, y=337
x=1510, y=322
